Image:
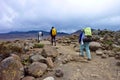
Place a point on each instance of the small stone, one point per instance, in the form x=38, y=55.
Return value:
x=78, y=70
x=118, y=63
x=49, y=62
x=28, y=78
x=49, y=78
x=117, y=56
x=94, y=75
x=65, y=61
x=99, y=52
x=61, y=64
x=104, y=56
x=60, y=53
x=77, y=49
x=58, y=73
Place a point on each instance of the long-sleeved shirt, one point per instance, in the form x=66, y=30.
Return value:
x=81, y=37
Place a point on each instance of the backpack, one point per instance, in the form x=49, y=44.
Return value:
x=87, y=34
x=54, y=32
x=88, y=31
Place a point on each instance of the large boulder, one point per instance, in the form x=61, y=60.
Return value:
x=11, y=68
x=37, y=69
x=37, y=58
x=95, y=46
x=49, y=51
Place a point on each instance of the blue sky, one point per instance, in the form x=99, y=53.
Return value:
x=65, y=15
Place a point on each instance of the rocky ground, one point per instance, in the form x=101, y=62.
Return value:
x=28, y=60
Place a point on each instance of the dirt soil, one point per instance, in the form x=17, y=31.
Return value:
x=96, y=69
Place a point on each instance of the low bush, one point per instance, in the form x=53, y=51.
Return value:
x=39, y=45
x=7, y=48
x=109, y=42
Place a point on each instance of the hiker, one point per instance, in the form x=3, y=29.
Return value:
x=84, y=40
x=53, y=33
x=40, y=35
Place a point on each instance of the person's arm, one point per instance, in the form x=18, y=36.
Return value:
x=42, y=33
x=56, y=32
x=80, y=38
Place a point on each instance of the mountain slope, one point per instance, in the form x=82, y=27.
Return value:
x=28, y=34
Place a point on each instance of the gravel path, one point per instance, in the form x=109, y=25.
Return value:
x=96, y=69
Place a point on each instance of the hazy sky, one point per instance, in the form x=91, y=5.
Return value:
x=65, y=15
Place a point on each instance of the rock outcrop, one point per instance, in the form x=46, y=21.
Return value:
x=11, y=68
x=37, y=69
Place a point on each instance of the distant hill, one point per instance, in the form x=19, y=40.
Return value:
x=28, y=34
x=77, y=32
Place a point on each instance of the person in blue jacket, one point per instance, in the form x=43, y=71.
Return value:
x=84, y=45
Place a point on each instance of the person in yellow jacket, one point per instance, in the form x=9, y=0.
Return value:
x=53, y=33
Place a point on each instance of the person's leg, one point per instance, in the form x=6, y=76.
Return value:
x=52, y=40
x=87, y=50
x=55, y=40
x=81, y=50
x=38, y=38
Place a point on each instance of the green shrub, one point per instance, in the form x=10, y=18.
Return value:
x=109, y=42
x=25, y=61
x=39, y=45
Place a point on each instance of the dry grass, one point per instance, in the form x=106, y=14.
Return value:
x=6, y=48
x=39, y=45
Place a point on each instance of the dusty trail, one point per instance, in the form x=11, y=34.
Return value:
x=97, y=69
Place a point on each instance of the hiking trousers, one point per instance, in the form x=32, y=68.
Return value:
x=39, y=38
x=86, y=47
x=53, y=40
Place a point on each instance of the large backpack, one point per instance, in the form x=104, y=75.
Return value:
x=87, y=34
x=88, y=31
x=54, y=32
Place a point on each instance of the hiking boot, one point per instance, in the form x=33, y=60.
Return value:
x=89, y=59
x=81, y=55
